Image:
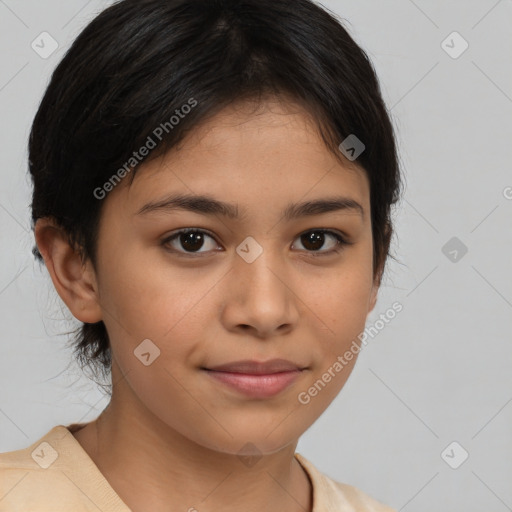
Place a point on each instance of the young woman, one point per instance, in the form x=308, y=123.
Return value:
x=213, y=182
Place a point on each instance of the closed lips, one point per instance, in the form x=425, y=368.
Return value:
x=257, y=368
x=256, y=380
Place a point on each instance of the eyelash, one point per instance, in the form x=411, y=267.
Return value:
x=341, y=241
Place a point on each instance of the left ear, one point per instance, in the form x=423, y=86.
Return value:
x=375, y=288
x=377, y=279
x=373, y=296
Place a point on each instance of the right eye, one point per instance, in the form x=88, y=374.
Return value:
x=190, y=239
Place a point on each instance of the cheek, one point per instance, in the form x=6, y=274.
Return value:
x=150, y=297
x=340, y=300
x=340, y=307
x=172, y=309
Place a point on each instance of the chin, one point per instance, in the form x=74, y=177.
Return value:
x=247, y=438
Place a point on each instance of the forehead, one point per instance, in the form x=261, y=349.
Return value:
x=250, y=151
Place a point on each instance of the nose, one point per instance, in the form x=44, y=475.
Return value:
x=260, y=298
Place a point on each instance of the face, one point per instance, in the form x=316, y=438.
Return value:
x=189, y=287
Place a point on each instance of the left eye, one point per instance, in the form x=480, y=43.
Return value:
x=315, y=239
x=192, y=240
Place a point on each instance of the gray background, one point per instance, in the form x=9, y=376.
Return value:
x=439, y=372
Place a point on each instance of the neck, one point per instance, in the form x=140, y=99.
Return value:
x=150, y=465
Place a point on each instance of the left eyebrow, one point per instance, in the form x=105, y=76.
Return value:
x=207, y=205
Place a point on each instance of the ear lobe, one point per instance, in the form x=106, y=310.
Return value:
x=74, y=280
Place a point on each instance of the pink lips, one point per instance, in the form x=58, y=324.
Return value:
x=257, y=379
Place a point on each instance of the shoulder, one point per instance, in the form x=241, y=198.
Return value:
x=41, y=454
x=42, y=476
x=360, y=500
x=330, y=495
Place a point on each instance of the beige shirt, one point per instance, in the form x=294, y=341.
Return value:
x=55, y=474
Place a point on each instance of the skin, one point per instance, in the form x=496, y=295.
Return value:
x=169, y=422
